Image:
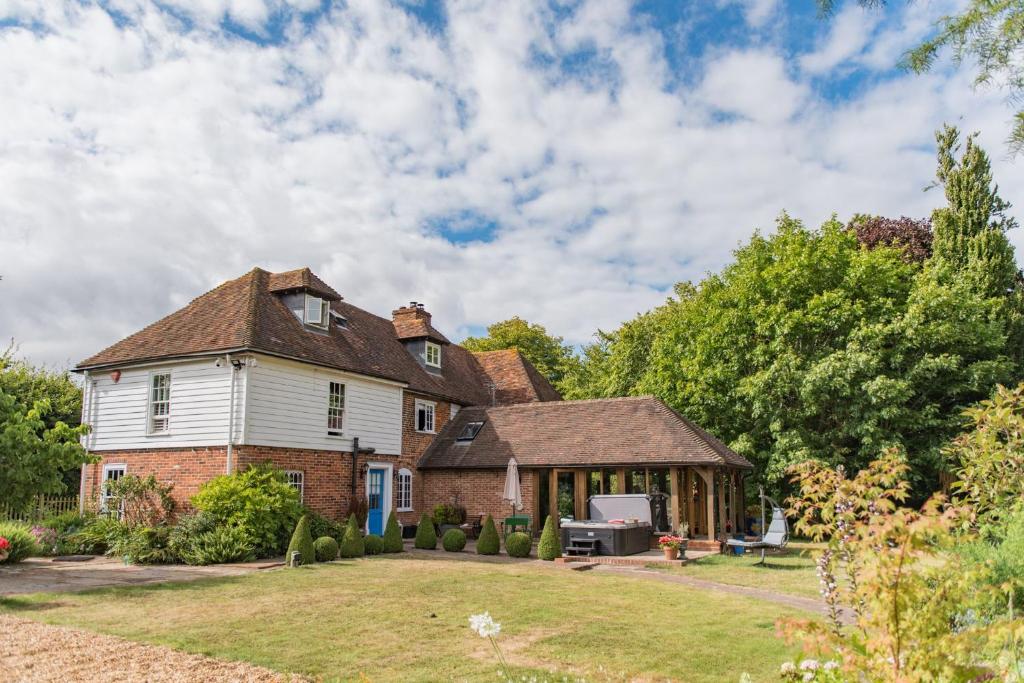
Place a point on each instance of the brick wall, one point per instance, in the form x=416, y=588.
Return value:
x=479, y=491
x=186, y=468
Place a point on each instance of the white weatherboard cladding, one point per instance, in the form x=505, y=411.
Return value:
x=287, y=407
x=199, y=398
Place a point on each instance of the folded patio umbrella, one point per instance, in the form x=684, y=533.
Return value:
x=513, y=492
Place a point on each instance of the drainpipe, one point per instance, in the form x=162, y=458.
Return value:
x=355, y=462
x=86, y=398
x=231, y=414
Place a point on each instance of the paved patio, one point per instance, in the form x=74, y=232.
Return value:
x=42, y=574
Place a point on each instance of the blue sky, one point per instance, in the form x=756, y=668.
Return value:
x=567, y=162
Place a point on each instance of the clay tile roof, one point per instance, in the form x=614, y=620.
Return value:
x=247, y=314
x=417, y=328
x=601, y=432
x=515, y=378
x=302, y=278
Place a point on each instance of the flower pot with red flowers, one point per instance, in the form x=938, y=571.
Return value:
x=670, y=545
x=5, y=548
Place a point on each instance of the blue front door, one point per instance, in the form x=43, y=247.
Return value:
x=375, y=501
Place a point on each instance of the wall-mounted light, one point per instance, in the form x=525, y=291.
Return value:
x=237, y=363
x=115, y=376
x=363, y=469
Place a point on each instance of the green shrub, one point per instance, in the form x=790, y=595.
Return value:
x=426, y=537
x=488, y=543
x=23, y=543
x=257, y=500
x=95, y=537
x=66, y=525
x=518, y=544
x=454, y=540
x=549, y=547
x=326, y=549
x=374, y=544
x=360, y=508
x=445, y=513
x=141, y=501
x=392, y=536
x=223, y=544
x=353, y=545
x=140, y=544
x=322, y=526
x=198, y=540
x=303, y=542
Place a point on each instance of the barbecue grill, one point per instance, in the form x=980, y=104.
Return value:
x=618, y=525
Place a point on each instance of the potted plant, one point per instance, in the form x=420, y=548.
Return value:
x=448, y=516
x=670, y=545
x=684, y=535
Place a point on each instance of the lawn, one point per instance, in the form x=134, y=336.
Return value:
x=398, y=618
x=788, y=571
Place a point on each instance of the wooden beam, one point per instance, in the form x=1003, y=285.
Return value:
x=721, y=506
x=580, y=494
x=708, y=477
x=691, y=517
x=553, y=495
x=743, y=499
x=673, y=475
x=621, y=475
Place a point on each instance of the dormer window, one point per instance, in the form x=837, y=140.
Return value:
x=316, y=312
x=433, y=354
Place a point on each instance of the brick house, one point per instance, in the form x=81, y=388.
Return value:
x=278, y=367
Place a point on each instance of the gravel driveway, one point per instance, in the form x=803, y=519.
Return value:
x=30, y=651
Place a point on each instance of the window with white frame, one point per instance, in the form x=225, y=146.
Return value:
x=111, y=473
x=425, y=417
x=433, y=354
x=316, y=311
x=404, y=494
x=159, y=402
x=296, y=481
x=335, y=408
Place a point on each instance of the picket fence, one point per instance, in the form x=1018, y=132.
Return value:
x=41, y=508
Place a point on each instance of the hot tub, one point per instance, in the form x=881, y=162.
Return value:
x=618, y=525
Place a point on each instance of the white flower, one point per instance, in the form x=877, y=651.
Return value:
x=787, y=668
x=484, y=625
x=808, y=677
x=809, y=665
x=831, y=664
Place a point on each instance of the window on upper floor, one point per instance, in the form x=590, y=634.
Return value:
x=335, y=408
x=296, y=479
x=317, y=312
x=425, y=417
x=159, y=419
x=404, y=494
x=433, y=354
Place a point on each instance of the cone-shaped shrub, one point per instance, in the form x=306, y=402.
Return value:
x=352, y=545
x=392, y=536
x=518, y=544
x=549, y=548
x=302, y=541
x=426, y=537
x=374, y=544
x=488, y=543
x=326, y=549
x=454, y=540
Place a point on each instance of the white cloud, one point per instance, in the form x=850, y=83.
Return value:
x=142, y=165
x=850, y=32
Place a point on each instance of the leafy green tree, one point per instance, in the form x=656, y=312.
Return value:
x=985, y=33
x=33, y=455
x=552, y=357
x=29, y=383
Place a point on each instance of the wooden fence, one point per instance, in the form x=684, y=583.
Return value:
x=41, y=508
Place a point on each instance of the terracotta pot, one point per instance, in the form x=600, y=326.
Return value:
x=671, y=553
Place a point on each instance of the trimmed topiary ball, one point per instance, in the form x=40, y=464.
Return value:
x=488, y=543
x=549, y=547
x=392, y=536
x=374, y=544
x=352, y=545
x=518, y=544
x=326, y=549
x=302, y=541
x=426, y=537
x=454, y=540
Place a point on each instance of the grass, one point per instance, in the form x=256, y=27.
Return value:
x=788, y=571
x=406, y=619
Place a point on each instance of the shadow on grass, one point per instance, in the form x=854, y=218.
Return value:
x=22, y=604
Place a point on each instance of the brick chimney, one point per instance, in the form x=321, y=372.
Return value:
x=405, y=315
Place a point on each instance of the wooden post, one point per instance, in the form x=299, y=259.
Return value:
x=673, y=475
x=738, y=503
x=708, y=476
x=688, y=482
x=647, y=480
x=721, y=505
x=553, y=495
x=743, y=498
x=580, y=494
x=621, y=475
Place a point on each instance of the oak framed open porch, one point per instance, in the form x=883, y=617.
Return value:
x=709, y=499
